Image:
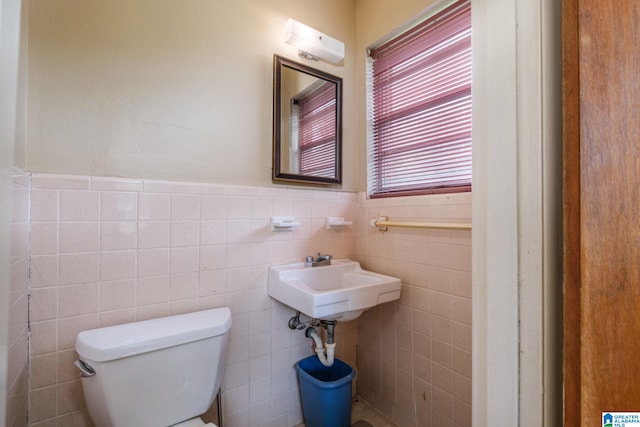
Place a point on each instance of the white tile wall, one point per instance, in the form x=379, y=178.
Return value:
x=17, y=367
x=108, y=251
x=414, y=355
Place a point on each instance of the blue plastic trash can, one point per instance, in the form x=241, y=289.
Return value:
x=325, y=392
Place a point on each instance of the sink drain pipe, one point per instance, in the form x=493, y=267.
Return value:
x=325, y=353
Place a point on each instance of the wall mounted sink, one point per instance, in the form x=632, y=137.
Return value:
x=340, y=291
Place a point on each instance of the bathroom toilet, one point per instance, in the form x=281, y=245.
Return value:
x=159, y=372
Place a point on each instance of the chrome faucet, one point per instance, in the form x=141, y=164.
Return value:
x=320, y=260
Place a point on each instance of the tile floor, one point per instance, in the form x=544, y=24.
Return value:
x=361, y=411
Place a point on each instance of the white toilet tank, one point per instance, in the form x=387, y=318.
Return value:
x=155, y=372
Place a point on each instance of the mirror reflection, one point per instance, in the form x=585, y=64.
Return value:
x=307, y=124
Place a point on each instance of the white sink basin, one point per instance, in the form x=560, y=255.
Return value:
x=340, y=291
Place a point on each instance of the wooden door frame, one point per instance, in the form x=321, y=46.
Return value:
x=571, y=215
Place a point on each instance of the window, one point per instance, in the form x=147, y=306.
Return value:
x=420, y=107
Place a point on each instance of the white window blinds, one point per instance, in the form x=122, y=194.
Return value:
x=420, y=107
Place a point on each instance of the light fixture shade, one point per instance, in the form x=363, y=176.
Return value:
x=313, y=42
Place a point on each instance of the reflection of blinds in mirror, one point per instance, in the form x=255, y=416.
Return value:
x=317, y=132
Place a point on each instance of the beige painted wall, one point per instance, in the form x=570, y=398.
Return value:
x=168, y=90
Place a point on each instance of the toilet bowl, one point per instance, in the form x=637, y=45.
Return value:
x=194, y=422
x=159, y=372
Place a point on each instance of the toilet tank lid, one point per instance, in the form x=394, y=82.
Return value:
x=116, y=342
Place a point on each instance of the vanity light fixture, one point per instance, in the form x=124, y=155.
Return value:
x=312, y=44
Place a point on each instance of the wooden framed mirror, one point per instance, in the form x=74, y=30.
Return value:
x=307, y=124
